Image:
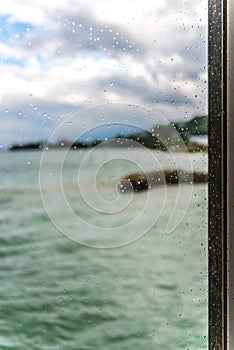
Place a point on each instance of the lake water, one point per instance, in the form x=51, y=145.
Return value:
x=148, y=292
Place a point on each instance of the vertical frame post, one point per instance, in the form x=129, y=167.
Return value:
x=230, y=182
x=217, y=58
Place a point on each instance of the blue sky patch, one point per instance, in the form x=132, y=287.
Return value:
x=13, y=61
x=9, y=31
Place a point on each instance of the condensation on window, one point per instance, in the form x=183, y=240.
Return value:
x=103, y=148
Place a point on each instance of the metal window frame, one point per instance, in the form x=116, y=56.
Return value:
x=230, y=175
x=221, y=173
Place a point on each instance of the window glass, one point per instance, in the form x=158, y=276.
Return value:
x=103, y=175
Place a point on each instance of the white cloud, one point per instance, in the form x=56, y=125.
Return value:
x=89, y=52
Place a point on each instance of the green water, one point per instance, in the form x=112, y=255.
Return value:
x=58, y=294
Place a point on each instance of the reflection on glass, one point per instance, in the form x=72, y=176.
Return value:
x=103, y=175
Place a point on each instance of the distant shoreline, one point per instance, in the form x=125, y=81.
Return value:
x=193, y=147
x=172, y=137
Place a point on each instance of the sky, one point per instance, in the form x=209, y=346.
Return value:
x=60, y=58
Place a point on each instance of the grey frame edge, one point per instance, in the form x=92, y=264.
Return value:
x=230, y=173
x=218, y=163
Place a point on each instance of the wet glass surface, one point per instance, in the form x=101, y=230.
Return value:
x=104, y=169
